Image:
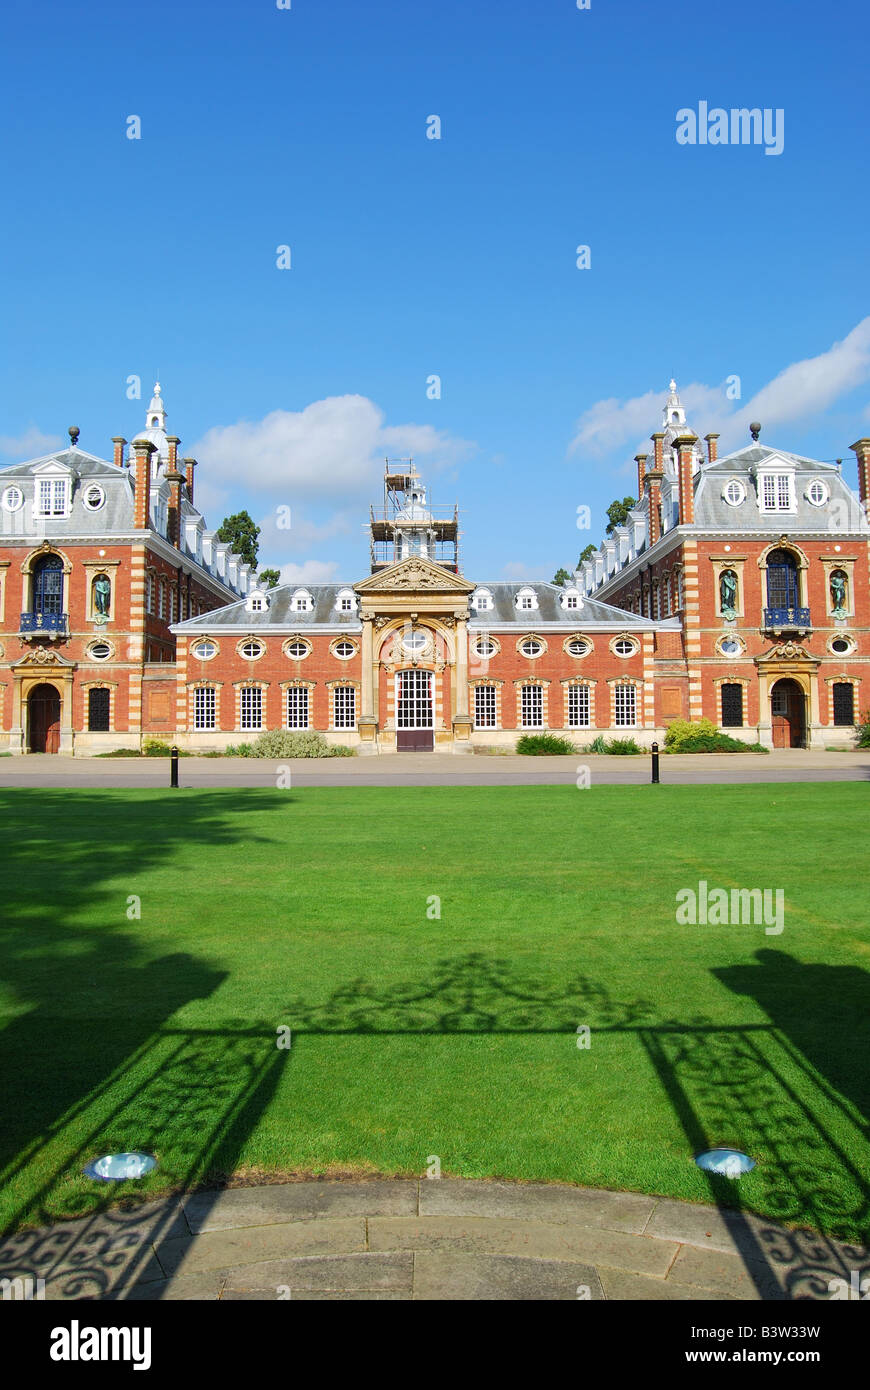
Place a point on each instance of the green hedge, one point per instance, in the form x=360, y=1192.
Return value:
x=537, y=745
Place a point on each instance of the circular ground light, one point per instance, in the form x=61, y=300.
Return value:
x=117, y=1167
x=729, y=1163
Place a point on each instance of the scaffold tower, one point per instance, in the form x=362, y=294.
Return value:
x=407, y=525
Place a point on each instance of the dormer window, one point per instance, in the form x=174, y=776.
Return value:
x=527, y=600
x=571, y=599
x=302, y=601
x=257, y=601
x=345, y=601
x=776, y=492
x=482, y=601
x=52, y=496
x=734, y=492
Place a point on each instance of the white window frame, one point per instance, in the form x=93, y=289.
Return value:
x=52, y=498
x=486, y=704
x=531, y=704
x=624, y=705
x=252, y=697
x=344, y=709
x=574, y=697
x=13, y=498
x=204, y=720
x=775, y=488
x=298, y=695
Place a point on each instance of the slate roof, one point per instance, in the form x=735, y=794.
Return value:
x=714, y=513
x=549, y=611
x=114, y=518
x=280, y=616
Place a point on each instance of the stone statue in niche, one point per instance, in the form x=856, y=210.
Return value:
x=102, y=598
x=728, y=594
x=838, y=594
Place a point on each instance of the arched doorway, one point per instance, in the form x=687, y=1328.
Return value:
x=415, y=725
x=788, y=714
x=43, y=719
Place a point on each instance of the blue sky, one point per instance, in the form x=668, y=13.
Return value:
x=411, y=257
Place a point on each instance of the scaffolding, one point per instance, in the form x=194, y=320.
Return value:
x=407, y=525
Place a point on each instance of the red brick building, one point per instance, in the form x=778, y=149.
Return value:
x=738, y=589
x=97, y=561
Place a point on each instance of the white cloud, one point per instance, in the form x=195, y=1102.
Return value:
x=31, y=444
x=333, y=449
x=310, y=572
x=804, y=388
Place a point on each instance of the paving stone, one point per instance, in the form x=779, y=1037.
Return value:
x=365, y=1271
x=298, y=1201
x=710, y=1228
x=117, y=1239
x=719, y=1272
x=184, y=1287
x=620, y=1284
x=481, y=1235
x=616, y=1211
x=448, y=1276
x=253, y=1244
x=331, y=1295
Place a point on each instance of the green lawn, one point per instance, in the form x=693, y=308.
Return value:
x=413, y=1036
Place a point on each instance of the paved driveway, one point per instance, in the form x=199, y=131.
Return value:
x=433, y=770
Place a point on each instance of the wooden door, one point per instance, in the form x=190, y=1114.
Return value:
x=44, y=719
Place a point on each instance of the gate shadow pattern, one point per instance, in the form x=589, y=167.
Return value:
x=748, y=1086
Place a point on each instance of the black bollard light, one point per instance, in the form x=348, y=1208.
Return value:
x=173, y=766
x=655, y=762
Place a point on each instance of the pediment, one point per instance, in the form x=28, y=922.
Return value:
x=42, y=658
x=788, y=651
x=415, y=574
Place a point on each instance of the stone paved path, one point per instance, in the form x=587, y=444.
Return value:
x=434, y=770
x=421, y=1239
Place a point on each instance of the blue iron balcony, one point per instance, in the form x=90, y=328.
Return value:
x=786, y=619
x=38, y=623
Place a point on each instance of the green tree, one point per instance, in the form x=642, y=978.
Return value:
x=241, y=532
x=617, y=513
x=561, y=576
x=269, y=578
x=586, y=552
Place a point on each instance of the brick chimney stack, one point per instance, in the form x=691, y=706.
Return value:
x=173, y=519
x=640, y=460
x=654, y=493
x=189, y=465
x=861, y=450
x=658, y=456
x=143, y=449
x=712, y=447
x=173, y=441
x=684, y=444
x=119, y=441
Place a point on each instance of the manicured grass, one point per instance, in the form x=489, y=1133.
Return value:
x=414, y=1035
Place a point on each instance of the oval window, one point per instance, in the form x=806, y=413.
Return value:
x=485, y=647
x=730, y=647
x=415, y=642
x=734, y=492
x=12, y=499
x=251, y=650
x=623, y=646
x=344, y=649
x=578, y=646
x=99, y=651
x=94, y=497
x=297, y=650
x=532, y=647
x=205, y=650
x=841, y=646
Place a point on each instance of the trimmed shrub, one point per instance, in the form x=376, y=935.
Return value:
x=684, y=729
x=290, y=743
x=622, y=747
x=862, y=731
x=537, y=745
